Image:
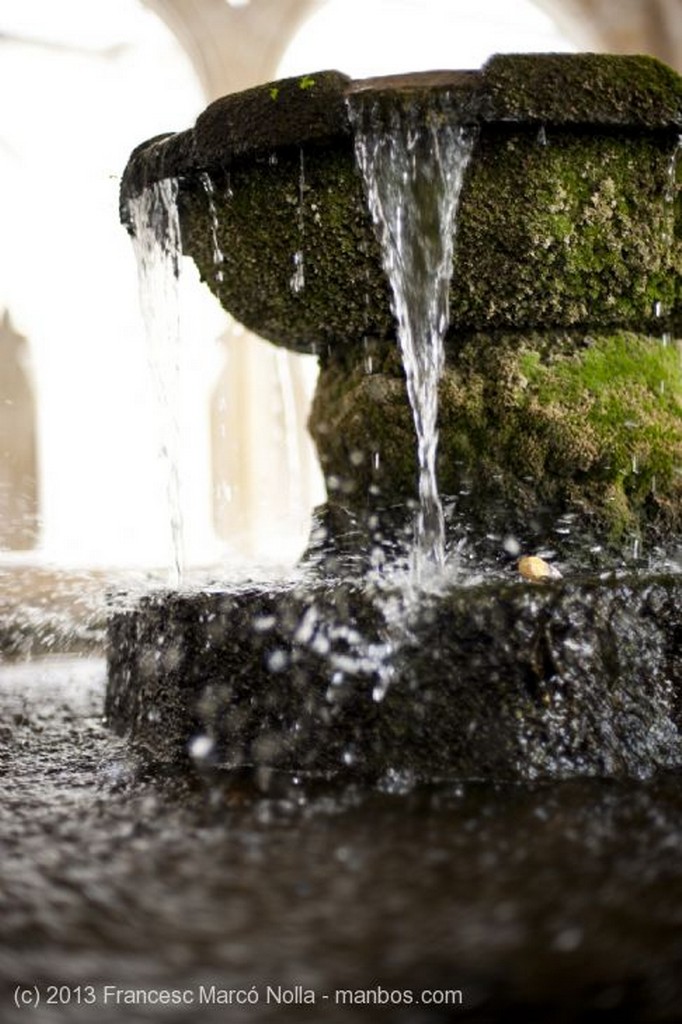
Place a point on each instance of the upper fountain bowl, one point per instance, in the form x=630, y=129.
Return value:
x=564, y=217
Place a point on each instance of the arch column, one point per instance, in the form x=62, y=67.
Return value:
x=233, y=47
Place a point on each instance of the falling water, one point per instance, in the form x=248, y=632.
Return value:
x=413, y=163
x=218, y=255
x=156, y=241
x=661, y=309
x=297, y=282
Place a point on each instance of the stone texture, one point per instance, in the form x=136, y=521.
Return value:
x=539, y=902
x=504, y=681
x=567, y=423
x=559, y=412
x=577, y=231
x=582, y=88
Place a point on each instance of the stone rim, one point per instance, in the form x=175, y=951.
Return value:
x=602, y=90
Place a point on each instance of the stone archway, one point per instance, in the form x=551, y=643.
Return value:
x=233, y=46
x=236, y=46
x=19, y=505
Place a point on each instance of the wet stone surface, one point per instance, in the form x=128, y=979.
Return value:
x=554, y=902
x=496, y=681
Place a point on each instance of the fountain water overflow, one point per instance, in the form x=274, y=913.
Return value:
x=413, y=166
x=560, y=424
x=158, y=251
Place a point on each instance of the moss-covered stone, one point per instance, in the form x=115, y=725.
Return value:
x=569, y=215
x=563, y=229
x=588, y=424
x=558, y=394
x=271, y=116
x=558, y=231
x=582, y=88
x=302, y=209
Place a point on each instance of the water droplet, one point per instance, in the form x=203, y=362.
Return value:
x=201, y=747
x=511, y=546
x=262, y=623
x=277, y=660
x=568, y=940
x=297, y=282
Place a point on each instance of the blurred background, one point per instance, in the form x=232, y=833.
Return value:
x=82, y=479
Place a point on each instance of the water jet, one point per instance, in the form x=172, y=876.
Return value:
x=559, y=422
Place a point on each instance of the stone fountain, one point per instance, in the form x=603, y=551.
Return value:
x=559, y=429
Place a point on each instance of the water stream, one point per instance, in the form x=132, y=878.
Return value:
x=413, y=163
x=218, y=255
x=157, y=245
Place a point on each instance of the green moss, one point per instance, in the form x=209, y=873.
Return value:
x=618, y=404
x=531, y=423
x=274, y=92
x=580, y=231
x=306, y=82
x=263, y=220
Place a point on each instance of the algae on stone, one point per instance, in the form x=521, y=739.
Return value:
x=566, y=229
x=558, y=393
x=305, y=200
x=576, y=230
x=585, y=423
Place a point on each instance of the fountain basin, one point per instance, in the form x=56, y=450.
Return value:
x=562, y=221
x=557, y=397
x=498, y=681
x=560, y=420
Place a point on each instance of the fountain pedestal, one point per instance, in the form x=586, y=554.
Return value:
x=560, y=424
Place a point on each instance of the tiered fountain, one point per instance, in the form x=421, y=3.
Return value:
x=497, y=254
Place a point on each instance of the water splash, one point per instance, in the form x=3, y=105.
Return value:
x=413, y=163
x=157, y=246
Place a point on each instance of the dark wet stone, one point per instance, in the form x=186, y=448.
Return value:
x=501, y=681
x=565, y=231
x=557, y=89
x=544, y=902
x=582, y=88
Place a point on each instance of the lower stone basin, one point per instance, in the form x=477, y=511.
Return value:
x=497, y=681
x=544, y=902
